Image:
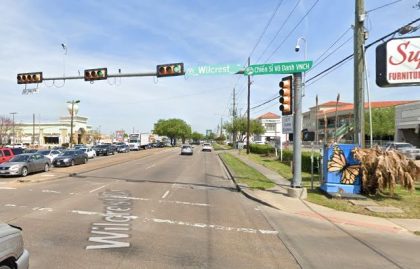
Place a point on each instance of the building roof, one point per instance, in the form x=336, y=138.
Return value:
x=379, y=104
x=333, y=103
x=269, y=115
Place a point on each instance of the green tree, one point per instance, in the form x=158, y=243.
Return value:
x=239, y=128
x=173, y=128
x=383, y=122
x=196, y=136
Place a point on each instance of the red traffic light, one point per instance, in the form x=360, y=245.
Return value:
x=286, y=95
x=96, y=74
x=27, y=78
x=170, y=70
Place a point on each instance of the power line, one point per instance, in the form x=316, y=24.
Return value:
x=278, y=31
x=332, y=45
x=266, y=26
x=376, y=8
x=290, y=33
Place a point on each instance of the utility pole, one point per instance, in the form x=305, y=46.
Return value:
x=316, y=120
x=359, y=73
x=233, y=118
x=72, y=102
x=33, y=129
x=297, y=129
x=221, y=126
x=249, y=109
x=13, y=127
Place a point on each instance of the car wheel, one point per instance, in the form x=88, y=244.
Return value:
x=72, y=163
x=106, y=154
x=5, y=267
x=24, y=171
x=46, y=167
x=85, y=161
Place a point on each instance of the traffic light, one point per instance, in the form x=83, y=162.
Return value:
x=96, y=74
x=286, y=95
x=27, y=78
x=170, y=70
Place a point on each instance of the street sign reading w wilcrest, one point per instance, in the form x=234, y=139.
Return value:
x=204, y=70
x=278, y=68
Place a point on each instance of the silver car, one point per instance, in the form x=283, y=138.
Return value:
x=23, y=164
x=12, y=252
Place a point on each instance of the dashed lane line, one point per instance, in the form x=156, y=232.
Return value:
x=97, y=188
x=165, y=194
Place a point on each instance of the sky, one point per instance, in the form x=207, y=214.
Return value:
x=135, y=36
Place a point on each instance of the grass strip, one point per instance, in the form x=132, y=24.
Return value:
x=245, y=174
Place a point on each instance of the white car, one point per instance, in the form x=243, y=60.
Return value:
x=91, y=153
x=207, y=147
x=50, y=153
x=12, y=252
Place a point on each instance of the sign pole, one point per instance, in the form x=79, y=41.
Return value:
x=297, y=129
x=249, y=110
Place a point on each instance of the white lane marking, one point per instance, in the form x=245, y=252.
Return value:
x=153, y=165
x=128, y=198
x=9, y=205
x=183, y=203
x=212, y=226
x=42, y=209
x=7, y=188
x=48, y=175
x=97, y=188
x=50, y=191
x=165, y=194
x=82, y=212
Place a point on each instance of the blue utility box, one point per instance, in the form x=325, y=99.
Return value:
x=341, y=172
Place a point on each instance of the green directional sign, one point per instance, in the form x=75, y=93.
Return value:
x=220, y=69
x=278, y=68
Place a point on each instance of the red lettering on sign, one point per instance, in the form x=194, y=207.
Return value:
x=409, y=56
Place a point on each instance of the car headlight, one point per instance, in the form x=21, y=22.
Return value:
x=14, y=167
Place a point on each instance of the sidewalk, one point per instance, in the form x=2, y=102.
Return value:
x=277, y=198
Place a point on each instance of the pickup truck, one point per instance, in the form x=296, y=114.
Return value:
x=12, y=252
x=8, y=153
x=405, y=148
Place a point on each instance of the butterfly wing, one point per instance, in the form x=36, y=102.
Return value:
x=350, y=174
x=337, y=160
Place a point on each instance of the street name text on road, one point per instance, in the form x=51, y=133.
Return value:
x=224, y=69
x=278, y=68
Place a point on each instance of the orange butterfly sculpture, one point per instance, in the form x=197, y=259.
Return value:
x=338, y=163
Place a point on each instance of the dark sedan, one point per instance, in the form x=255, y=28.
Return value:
x=70, y=158
x=123, y=148
x=104, y=149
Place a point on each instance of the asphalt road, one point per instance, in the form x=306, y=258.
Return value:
x=157, y=209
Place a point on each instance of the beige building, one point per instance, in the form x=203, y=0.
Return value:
x=55, y=133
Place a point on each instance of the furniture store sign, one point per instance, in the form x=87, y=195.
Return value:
x=398, y=62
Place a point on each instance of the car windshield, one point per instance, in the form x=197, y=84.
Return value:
x=20, y=158
x=404, y=145
x=44, y=152
x=206, y=145
x=69, y=153
x=186, y=147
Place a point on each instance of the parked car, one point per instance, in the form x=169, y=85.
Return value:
x=17, y=145
x=186, y=150
x=29, y=150
x=123, y=148
x=207, y=147
x=91, y=153
x=50, y=153
x=13, y=255
x=104, y=149
x=70, y=158
x=405, y=148
x=24, y=164
x=79, y=146
x=6, y=154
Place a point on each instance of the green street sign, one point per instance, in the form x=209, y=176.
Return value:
x=220, y=69
x=278, y=68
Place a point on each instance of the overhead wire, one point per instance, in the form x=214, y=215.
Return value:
x=294, y=28
x=376, y=8
x=279, y=30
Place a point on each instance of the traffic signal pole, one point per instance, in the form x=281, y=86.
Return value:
x=297, y=129
x=119, y=75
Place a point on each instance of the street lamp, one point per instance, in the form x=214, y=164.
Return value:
x=72, y=102
x=13, y=127
x=297, y=48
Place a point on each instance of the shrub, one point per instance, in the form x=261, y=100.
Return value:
x=261, y=149
x=306, y=160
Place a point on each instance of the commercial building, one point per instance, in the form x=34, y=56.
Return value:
x=324, y=122
x=407, y=123
x=273, y=128
x=54, y=133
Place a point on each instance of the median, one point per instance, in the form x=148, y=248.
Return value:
x=245, y=174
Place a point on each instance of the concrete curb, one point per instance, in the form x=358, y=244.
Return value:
x=241, y=187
